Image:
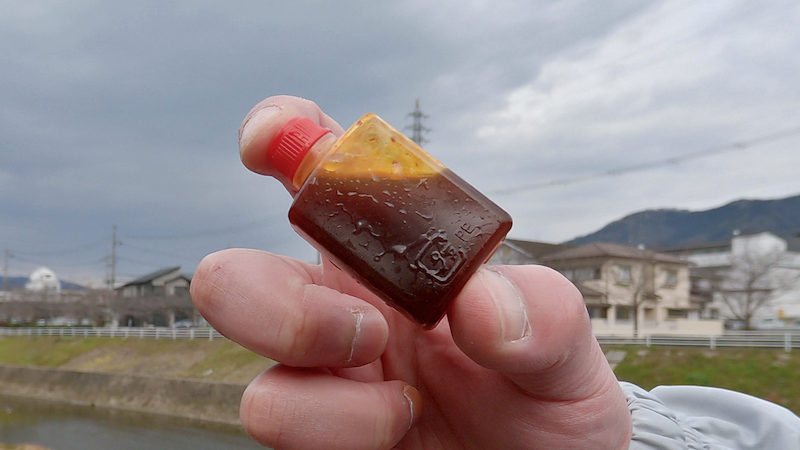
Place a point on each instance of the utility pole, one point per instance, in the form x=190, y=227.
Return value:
x=417, y=129
x=6, y=255
x=112, y=263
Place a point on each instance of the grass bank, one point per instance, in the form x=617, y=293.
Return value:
x=217, y=360
x=767, y=373
x=770, y=374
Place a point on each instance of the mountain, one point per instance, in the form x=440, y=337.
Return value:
x=19, y=283
x=667, y=228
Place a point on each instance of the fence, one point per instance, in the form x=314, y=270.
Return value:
x=119, y=332
x=786, y=340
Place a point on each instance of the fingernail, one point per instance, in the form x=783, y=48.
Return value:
x=511, y=308
x=358, y=316
x=414, y=399
x=254, y=121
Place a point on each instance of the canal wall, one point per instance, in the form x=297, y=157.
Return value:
x=193, y=399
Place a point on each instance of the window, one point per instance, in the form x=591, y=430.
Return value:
x=671, y=278
x=181, y=291
x=587, y=273
x=578, y=274
x=677, y=313
x=624, y=312
x=597, y=312
x=624, y=274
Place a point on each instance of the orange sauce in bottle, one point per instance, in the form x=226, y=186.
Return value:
x=395, y=219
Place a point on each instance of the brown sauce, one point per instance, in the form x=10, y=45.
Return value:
x=414, y=242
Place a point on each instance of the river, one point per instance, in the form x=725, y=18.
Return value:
x=65, y=427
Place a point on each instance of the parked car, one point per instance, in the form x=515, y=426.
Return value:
x=185, y=323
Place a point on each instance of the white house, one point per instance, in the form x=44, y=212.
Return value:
x=753, y=280
x=43, y=280
x=630, y=290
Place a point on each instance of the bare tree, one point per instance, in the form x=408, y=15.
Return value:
x=642, y=287
x=152, y=309
x=754, y=279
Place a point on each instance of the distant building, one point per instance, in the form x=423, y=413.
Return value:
x=160, y=298
x=169, y=282
x=618, y=282
x=43, y=280
x=517, y=251
x=755, y=275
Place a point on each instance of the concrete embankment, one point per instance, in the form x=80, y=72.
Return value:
x=194, y=399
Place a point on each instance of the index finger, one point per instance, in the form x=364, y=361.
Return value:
x=264, y=121
x=276, y=307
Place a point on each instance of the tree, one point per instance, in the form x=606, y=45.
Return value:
x=640, y=278
x=642, y=289
x=759, y=272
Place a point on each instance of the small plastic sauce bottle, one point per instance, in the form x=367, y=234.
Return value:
x=386, y=212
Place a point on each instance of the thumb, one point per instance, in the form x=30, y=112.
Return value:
x=530, y=323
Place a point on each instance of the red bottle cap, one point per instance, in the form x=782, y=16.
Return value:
x=291, y=144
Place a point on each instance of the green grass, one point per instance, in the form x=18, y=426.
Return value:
x=228, y=362
x=43, y=351
x=771, y=374
x=218, y=360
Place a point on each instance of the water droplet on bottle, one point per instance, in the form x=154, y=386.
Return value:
x=424, y=216
x=399, y=249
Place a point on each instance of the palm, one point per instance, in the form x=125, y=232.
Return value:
x=467, y=405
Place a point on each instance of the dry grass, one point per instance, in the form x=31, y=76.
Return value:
x=766, y=373
x=218, y=360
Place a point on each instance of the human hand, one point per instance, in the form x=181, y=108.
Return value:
x=513, y=365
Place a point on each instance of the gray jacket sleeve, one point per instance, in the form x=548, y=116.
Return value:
x=695, y=417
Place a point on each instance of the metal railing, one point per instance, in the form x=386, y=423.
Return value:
x=118, y=332
x=786, y=340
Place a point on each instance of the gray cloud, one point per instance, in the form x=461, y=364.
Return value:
x=127, y=113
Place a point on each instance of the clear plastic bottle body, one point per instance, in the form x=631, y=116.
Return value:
x=396, y=219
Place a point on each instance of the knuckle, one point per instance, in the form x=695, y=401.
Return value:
x=261, y=412
x=298, y=333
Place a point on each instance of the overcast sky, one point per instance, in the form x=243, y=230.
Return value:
x=126, y=113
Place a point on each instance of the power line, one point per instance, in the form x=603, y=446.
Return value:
x=159, y=252
x=202, y=233
x=63, y=251
x=112, y=261
x=136, y=261
x=715, y=150
x=6, y=255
